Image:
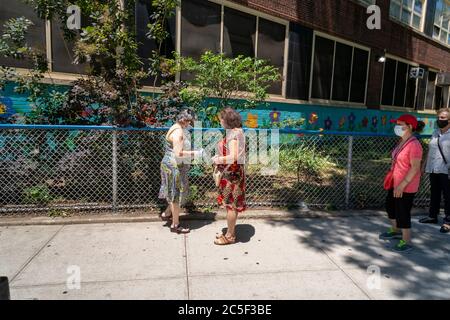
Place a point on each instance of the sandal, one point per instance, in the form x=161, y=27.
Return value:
x=445, y=228
x=179, y=229
x=219, y=235
x=224, y=240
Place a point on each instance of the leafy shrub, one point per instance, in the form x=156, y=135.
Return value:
x=305, y=161
x=39, y=195
x=241, y=82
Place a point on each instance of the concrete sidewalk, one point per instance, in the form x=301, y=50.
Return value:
x=309, y=258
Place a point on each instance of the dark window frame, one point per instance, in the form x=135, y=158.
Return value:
x=344, y=42
x=258, y=15
x=408, y=82
x=39, y=42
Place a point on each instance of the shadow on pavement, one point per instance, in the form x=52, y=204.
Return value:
x=244, y=232
x=353, y=243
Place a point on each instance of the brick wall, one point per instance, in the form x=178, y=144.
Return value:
x=347, y=19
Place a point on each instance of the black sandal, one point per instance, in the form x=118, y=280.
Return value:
x=445, y=229
x=179, y=229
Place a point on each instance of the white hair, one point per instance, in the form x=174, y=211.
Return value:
x=185, y=115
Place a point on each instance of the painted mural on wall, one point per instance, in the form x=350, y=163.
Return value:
x=317, y=117
x=6, y=108
x=276, y=114
x=12, y=104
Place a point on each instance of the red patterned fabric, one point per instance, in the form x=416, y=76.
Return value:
x=232, y=186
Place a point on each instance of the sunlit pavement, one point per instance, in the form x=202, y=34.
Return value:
x=310, y=258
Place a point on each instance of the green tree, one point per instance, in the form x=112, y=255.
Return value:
x=241, y=82
x=13, y=45
x=160, y=65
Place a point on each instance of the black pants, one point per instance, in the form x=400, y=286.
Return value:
x=399, y=209
x=439, y=184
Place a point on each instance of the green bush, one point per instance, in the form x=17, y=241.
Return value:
x=240, y=82
x=304, y=161
x=194, y=194
x=39, y=195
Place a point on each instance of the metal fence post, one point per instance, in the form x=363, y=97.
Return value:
x=349, y=172
x=114, y=170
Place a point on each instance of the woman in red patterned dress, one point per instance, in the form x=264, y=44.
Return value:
x=231, y=160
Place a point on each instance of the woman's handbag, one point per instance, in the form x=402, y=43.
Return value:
x=218, y=174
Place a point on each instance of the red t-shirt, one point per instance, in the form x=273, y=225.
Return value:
x=413, y=150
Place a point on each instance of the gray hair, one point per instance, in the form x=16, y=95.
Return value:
x=185, y=115
x=444, y=110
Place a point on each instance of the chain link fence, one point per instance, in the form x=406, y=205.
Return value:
x=51, y=168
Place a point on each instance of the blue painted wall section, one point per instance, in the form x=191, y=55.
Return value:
x=12, y=103
x=334, y=118
x=317, y=117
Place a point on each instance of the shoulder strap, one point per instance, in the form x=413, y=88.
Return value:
x=403, y=147
x=394, y=158
x=440, y=150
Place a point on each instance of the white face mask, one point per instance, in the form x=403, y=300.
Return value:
x=399, y=131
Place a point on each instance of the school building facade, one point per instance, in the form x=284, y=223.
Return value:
x=337, y=73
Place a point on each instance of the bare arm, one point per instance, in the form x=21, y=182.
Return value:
x=232, y=156
x=178, y=144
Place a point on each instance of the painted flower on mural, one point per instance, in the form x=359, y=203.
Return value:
x=252, y=120
x=342, y=122
x=6, y=109
x=313, y=118
x=351, y=121
x=374, y=124
x=328, y=123
x=2, y=108
x=365, y=122
x=275, y=115
x=374, y=121
x=384, y=120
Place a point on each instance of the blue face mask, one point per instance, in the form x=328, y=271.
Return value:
x=399, y=131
